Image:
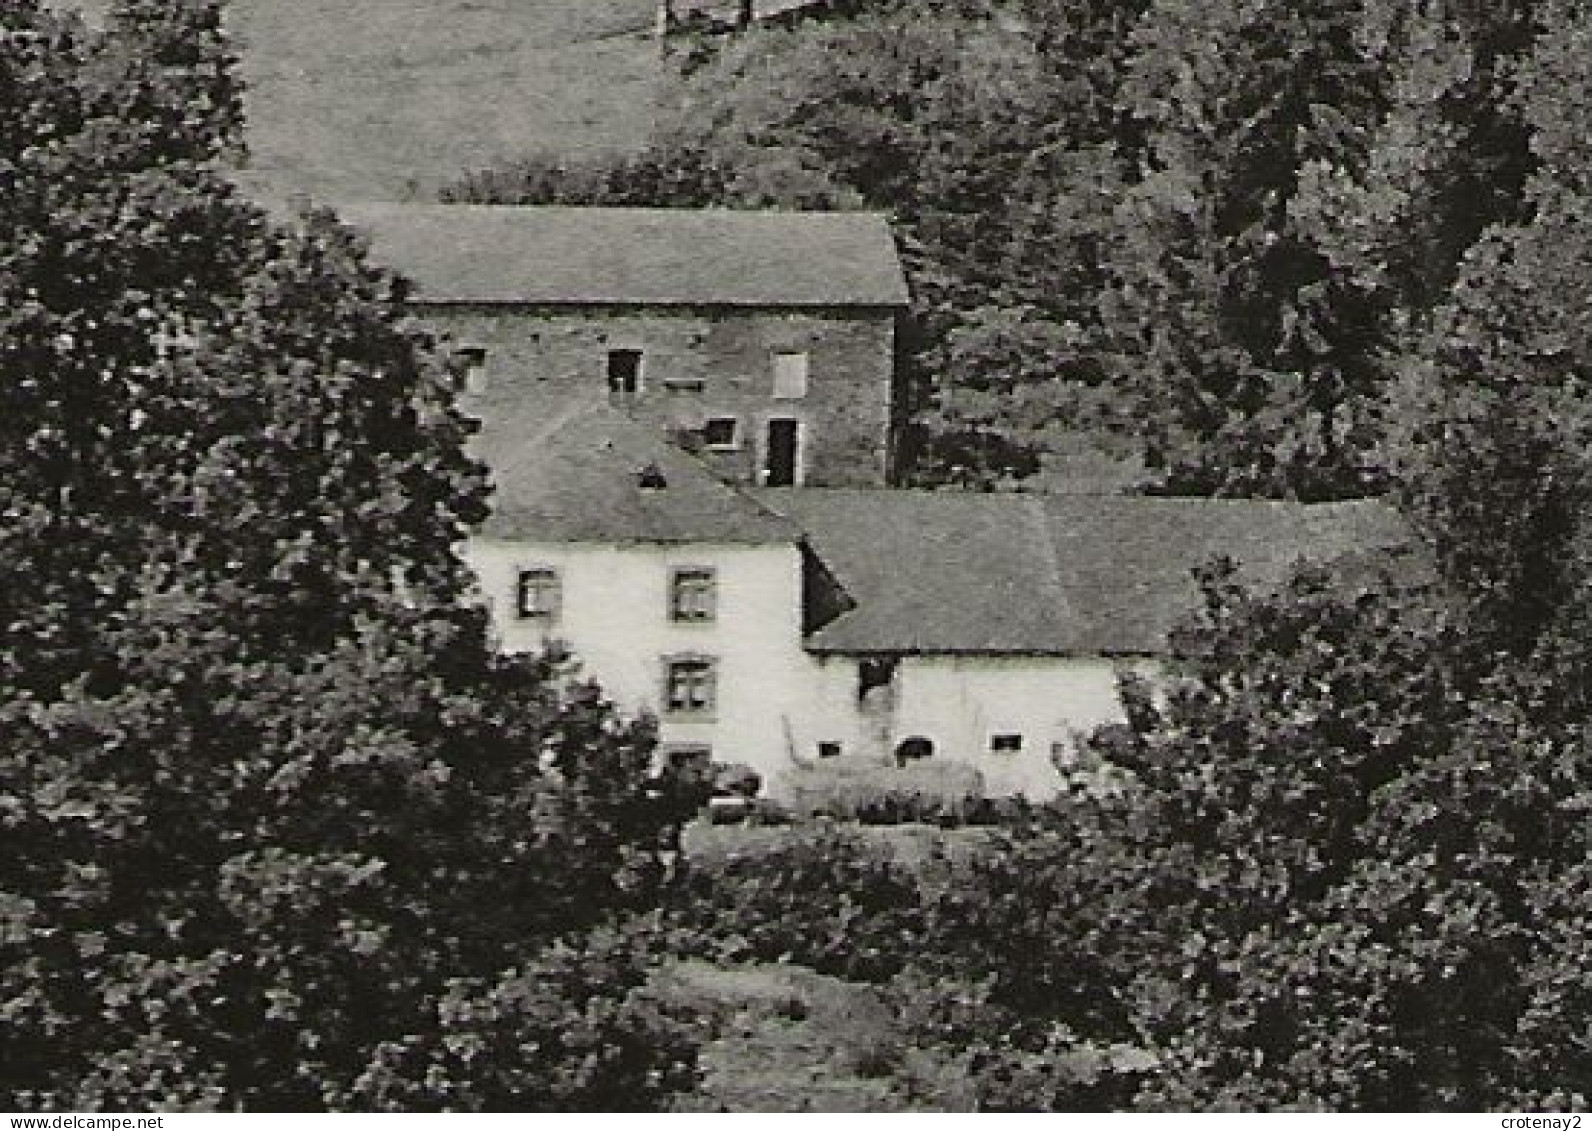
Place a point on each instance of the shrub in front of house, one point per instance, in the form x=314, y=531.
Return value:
x=825, y=901
x=884, y=793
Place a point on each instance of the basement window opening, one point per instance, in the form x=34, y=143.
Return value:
x=874, y=673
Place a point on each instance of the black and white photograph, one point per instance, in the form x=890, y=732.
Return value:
x=795, y=556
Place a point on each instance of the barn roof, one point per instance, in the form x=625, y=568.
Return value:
x=728, y=10
x=557, y=255
x=585, y=472
x=1051, y=575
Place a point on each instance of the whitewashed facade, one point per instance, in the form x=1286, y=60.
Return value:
x=785, y=613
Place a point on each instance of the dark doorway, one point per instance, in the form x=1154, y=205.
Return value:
x=780, y=454
x=624, y=372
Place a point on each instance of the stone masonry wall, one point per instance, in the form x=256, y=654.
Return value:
x=702, y=363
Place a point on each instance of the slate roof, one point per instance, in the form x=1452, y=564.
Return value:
x=1049, y=575
x=556, y=255
x=572, y=473
x=728, y=9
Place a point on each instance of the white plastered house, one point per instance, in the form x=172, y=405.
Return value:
x=784, y=611
x=782, y=628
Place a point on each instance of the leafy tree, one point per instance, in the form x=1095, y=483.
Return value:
x=277, y=826
x=1493, y=459
x=1352, y=870
x=1344, y=878
x=1311, y=177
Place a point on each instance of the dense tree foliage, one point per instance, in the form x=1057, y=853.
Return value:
x=1354, y=868
x=278, y=829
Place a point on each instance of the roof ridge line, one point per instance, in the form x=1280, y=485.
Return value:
x=1042, y=529
x=523, y=448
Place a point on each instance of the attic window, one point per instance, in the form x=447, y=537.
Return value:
x=1005, y=744
x=790, y=376
x=624, y=372
x=829, y=749
x=721, y=432
x=651, y=478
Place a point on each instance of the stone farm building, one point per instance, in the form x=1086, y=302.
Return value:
x=763, y=340
x=690, y=419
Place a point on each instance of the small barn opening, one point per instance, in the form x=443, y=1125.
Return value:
x=875, y=672
x=913, y=749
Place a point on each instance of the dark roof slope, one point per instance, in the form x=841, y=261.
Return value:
x=1055, y=575
x=555, y=255
x=575, y=473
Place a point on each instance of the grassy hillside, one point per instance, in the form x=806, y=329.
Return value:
x=382, y=99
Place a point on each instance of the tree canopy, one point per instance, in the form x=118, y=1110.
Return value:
x=278, y=828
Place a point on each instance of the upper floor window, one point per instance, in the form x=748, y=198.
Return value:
x=721, y=432
x=790, y=376
x=1006, y=744
x=538, y=593
x=693, y=593
x=690, y=686
x=624, y=371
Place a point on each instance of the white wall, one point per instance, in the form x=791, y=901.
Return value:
x=959, y=702
x=775, y=701
x=615, y=616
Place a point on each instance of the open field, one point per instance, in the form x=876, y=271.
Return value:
x=387, y=99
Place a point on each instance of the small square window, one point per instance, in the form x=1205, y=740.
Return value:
x=790, y=376
x=721, y=432
x=690, y=687
x=693, y=594
x=1005, y=743
x=538, y=593
x=829, y=749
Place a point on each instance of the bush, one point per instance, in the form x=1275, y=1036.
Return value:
x=573, y=1030
x=886, y=794
x=277, y=823
x=825, y=902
